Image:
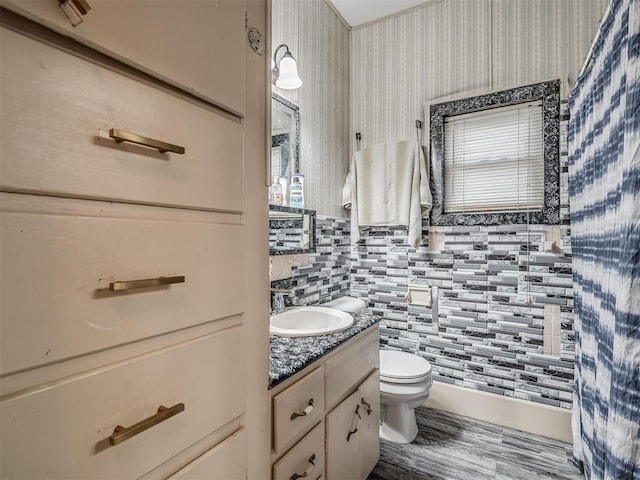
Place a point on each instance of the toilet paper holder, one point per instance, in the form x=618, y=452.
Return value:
x=419, y=295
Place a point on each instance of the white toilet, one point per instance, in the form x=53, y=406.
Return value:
x=405, y=381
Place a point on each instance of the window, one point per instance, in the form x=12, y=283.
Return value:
x=495, y=158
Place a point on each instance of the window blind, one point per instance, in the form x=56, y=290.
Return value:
x=493, y=160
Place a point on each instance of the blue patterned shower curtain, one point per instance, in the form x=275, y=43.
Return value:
x=604, y=189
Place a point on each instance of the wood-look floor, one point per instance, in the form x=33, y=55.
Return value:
x=452, y=447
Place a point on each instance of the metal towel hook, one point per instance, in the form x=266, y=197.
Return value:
x=419, y=131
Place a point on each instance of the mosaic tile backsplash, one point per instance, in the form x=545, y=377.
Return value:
x=327, y=275
x=495, y=288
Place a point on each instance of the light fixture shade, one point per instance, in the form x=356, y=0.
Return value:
x=288, y=78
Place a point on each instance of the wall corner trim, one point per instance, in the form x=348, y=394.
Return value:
x=531, y=417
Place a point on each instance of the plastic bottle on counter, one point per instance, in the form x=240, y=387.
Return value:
x=296, y=191
x=276, y=192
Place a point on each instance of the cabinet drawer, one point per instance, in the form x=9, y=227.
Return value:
x=60, y=255
x=62, y=430
x=198, y=46
x=226, y=461
x=306, y=456
x=289, y=417
x=55, y=134
x=347, y=368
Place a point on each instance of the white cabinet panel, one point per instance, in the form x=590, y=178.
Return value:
x=350, y=366
x=62, y=430
x=60, y=255
x=198, y=45
x=58, y=109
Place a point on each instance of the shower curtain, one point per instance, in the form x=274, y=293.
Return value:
x=604, y=189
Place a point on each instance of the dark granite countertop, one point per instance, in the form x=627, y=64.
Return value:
x=289, y=355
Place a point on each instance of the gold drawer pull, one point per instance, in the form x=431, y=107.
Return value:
x=303, y=413
x=147, y=282
x=120, y=433
x=122, y=136
x=308, y=471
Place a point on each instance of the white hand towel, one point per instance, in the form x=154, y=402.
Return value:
x=387, y=184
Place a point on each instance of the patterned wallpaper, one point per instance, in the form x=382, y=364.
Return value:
x=459, y=48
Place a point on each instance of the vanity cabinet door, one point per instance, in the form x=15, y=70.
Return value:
x=370, y=424
x=343, y=439
x=353, y=446
x=198, y=46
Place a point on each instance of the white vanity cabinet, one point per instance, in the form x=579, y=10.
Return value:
x=125, y=350
x=337, y=397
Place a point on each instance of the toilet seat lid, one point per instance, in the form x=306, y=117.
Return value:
x=400, y=366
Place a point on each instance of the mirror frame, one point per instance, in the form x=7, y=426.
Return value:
x=310, y=214
x=549, y=93
x=296, y=140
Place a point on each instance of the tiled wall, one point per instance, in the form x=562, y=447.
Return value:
x=497, y=287
x=327, y=275
x=285, y=234
x=482, y=331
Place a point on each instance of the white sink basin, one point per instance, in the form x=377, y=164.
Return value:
x=308, y=321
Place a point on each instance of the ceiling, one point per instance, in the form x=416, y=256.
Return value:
x=361, y=12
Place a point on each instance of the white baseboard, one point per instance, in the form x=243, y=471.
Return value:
x=545, y=420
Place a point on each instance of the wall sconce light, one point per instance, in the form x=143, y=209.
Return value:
x=284, y=74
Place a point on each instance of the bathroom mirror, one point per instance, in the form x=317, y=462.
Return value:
x=285, y=137
x=291, y=230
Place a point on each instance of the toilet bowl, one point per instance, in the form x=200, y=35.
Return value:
x=405, y=381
